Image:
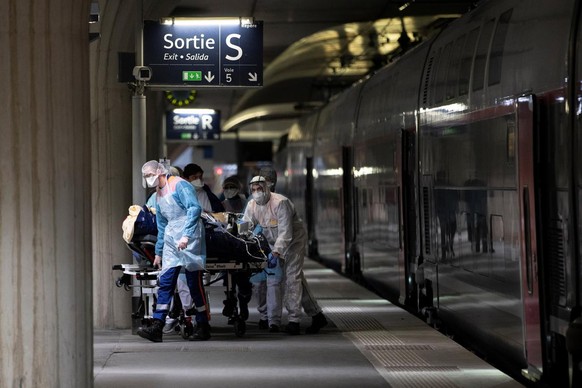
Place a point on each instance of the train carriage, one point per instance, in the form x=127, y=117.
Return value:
x=450, y=182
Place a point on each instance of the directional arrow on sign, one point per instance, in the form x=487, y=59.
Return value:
x=209, y=77
x=179, y=56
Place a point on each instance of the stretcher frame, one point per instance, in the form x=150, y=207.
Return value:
x=145, y=282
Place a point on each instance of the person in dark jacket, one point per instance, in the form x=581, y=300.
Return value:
x=210, y=203
x=235, y=202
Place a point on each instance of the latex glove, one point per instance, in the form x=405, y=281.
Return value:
x=182, y=243
x=272, y=260
x=158, y=262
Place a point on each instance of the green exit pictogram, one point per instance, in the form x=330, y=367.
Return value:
x=192, y=76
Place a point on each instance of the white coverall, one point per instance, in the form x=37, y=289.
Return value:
x=286, y=235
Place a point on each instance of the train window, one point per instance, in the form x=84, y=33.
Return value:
x=496, y=57
x=481, y=56
x=444, y=64
x=466, y=60
x=453, y=71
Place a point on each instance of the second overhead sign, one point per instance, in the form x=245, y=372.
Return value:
x=198, y=55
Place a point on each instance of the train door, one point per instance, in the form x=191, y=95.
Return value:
x=404, y=168
x=352, y=255
x=328, y=204
x=428, y=264
x=309, y=209
x=576, y=95
x=529, y=251
x=574, y=330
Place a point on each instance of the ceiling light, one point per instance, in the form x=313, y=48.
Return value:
x=94, y=13
x=234, y=21
x=187, y=111
x=404, y=6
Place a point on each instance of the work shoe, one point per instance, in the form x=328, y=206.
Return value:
x=293, y=328
x=317, y=322
x=186, y=328
x=170, y=325
x=201, y=332
x=263, y=324
x=274, y=328
x=153, y=332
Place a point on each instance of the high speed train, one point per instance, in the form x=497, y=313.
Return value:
x=450, y=182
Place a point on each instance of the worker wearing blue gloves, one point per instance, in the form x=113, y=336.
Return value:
x=272, y=261
x=180, y=243
x=287, y=239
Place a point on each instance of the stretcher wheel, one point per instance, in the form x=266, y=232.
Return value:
x=240, y=328
x=186, y=330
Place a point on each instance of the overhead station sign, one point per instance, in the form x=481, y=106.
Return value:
x=193, y=124
x=199, y=53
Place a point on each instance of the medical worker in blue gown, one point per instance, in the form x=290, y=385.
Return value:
x=180, y=243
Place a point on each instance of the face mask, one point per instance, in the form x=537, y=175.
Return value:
x=197, y=183
x=230, y=193
x=152, y=181
x=259, y=197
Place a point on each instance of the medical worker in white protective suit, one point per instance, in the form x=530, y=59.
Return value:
x=285, y=232
x=180, y=244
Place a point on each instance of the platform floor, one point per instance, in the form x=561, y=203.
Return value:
x=368, y=343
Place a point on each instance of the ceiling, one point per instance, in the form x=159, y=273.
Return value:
x=311, y=50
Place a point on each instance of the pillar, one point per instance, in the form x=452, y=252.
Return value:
x=45, y=196
x=112, y=166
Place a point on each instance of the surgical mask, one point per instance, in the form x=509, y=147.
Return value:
x=259, y=197
x=230, y=193
x=197, y=183
x=152, y=181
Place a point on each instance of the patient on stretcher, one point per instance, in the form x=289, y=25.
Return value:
x=140, y=233
x=226, y=238
x=143, y=248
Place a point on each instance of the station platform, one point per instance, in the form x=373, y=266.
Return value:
x=368, y=342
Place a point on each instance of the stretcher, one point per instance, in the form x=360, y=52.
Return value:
x=141, y=277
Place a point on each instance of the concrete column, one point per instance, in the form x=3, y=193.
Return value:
x=45, y=196
x=111, y=155
x=111, y=166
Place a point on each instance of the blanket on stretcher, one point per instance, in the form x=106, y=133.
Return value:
x=222, y=240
